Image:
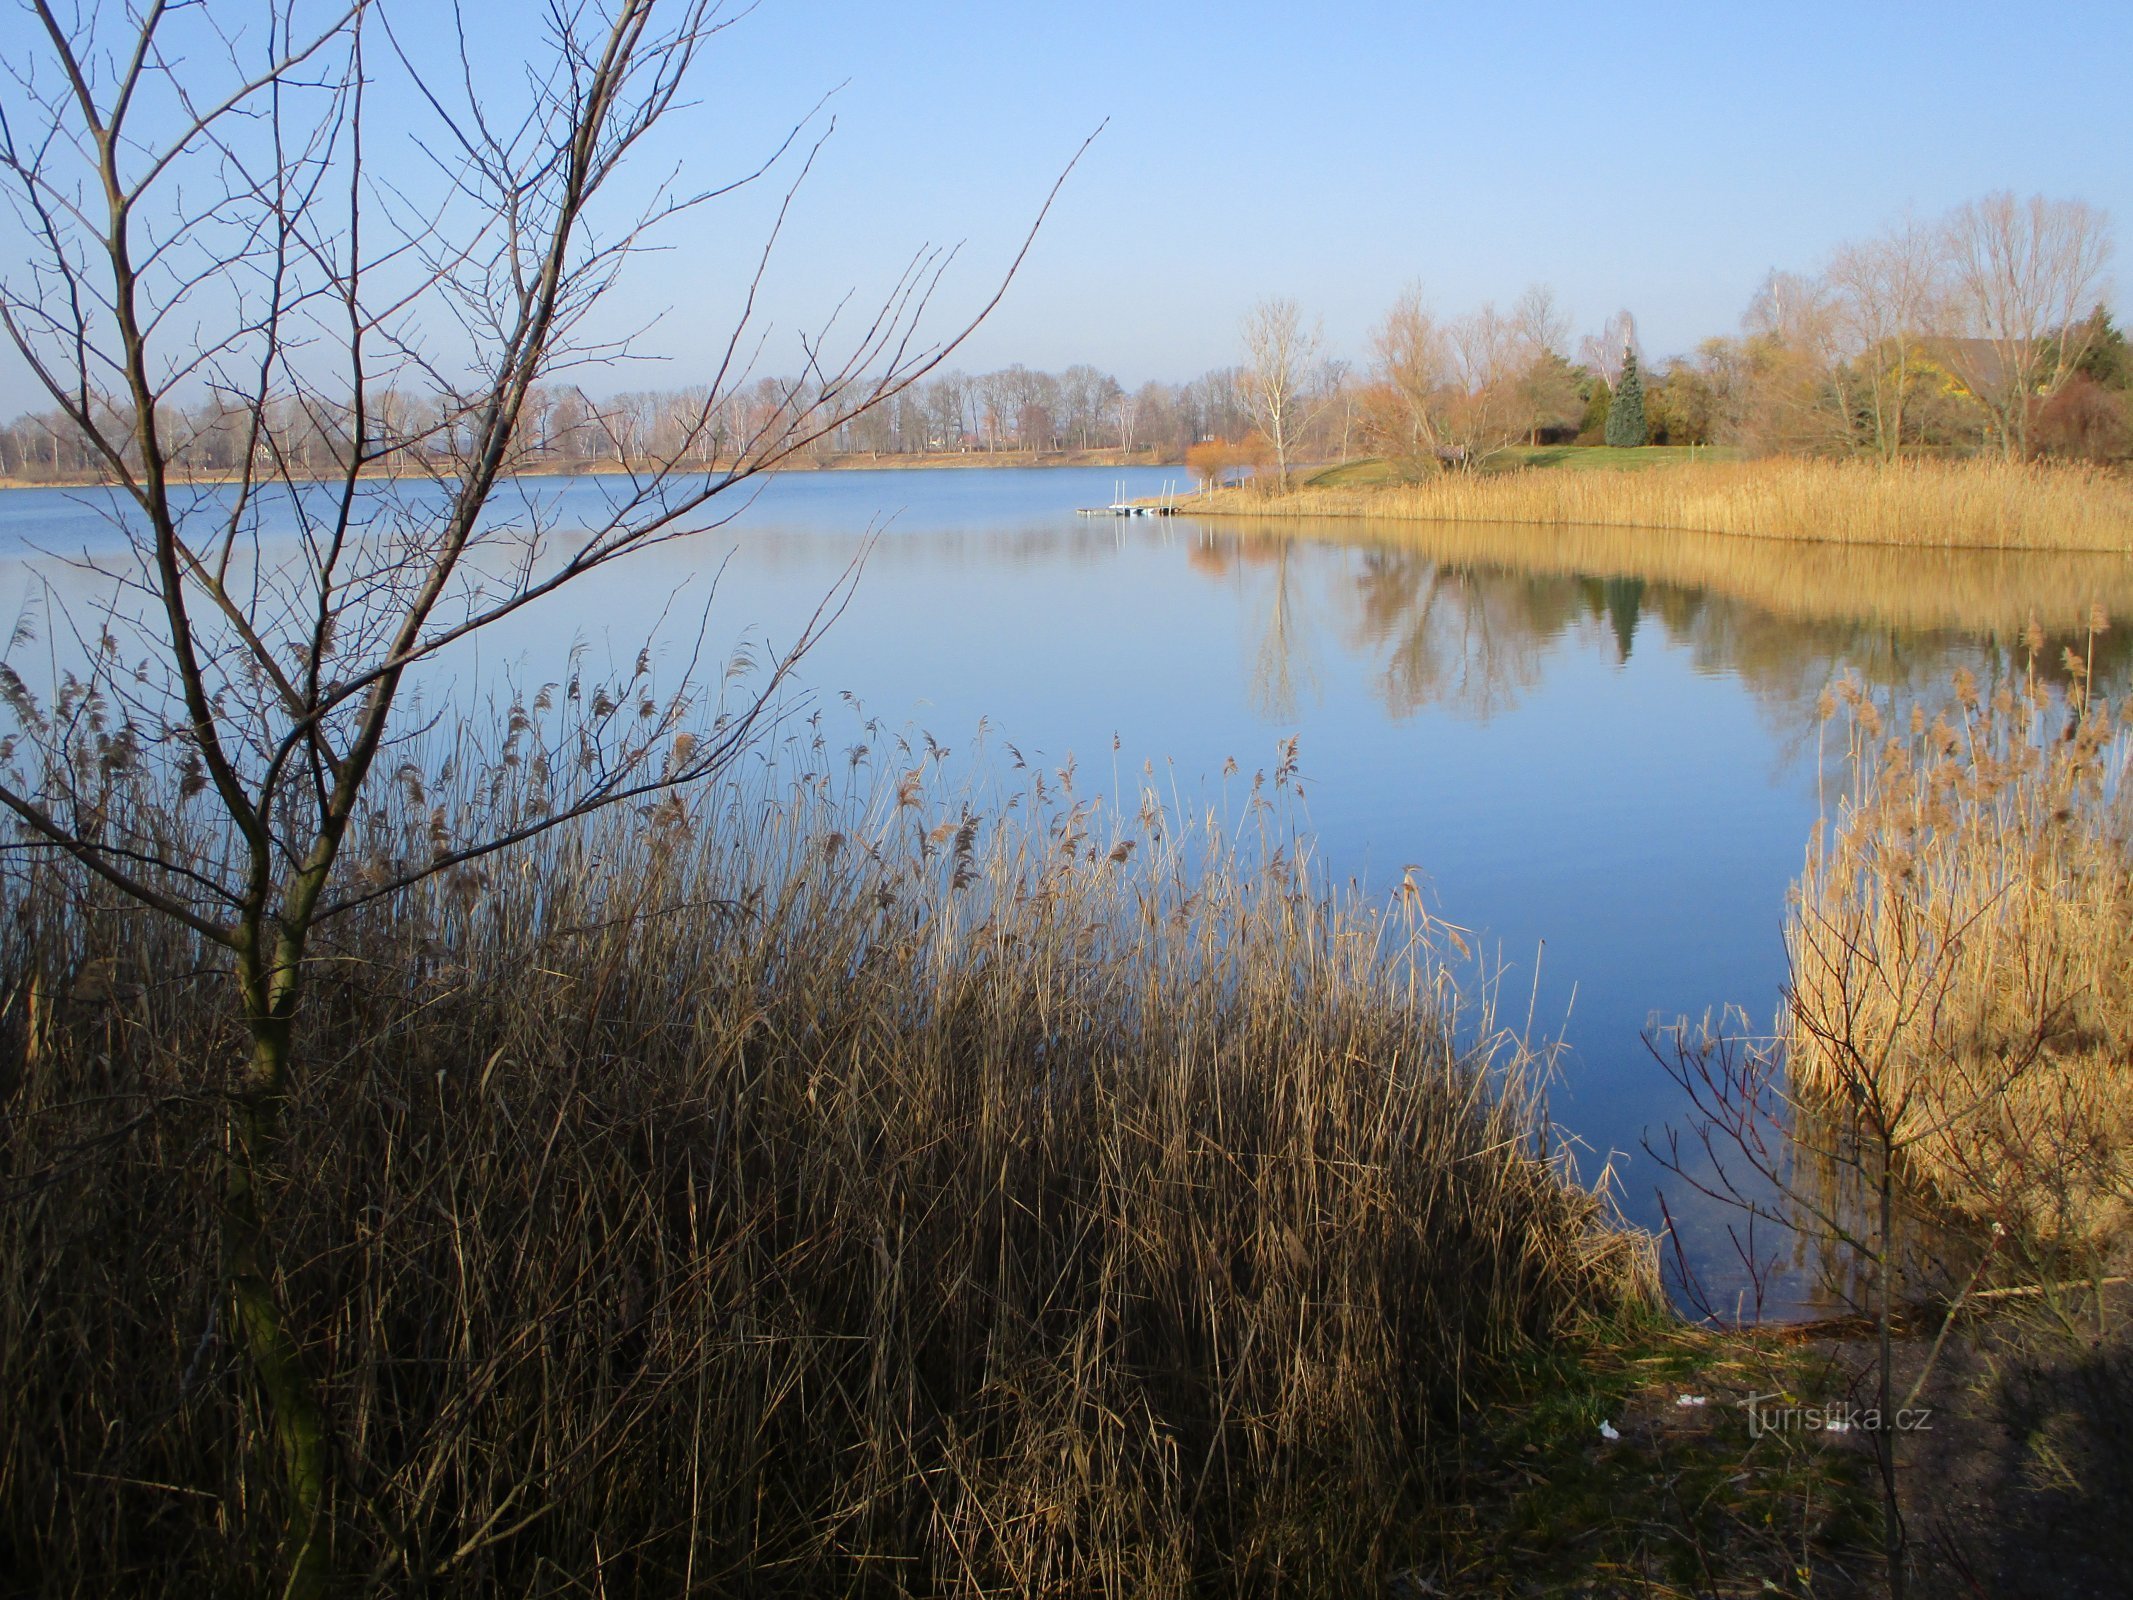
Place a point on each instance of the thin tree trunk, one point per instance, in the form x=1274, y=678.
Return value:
x=1892, y=1540
x=294, y=1411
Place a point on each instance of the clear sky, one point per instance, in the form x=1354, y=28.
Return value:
x=1658, y=157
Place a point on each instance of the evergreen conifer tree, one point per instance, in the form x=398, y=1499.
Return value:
x=1625, y=412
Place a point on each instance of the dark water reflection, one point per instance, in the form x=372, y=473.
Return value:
x=1598, y=749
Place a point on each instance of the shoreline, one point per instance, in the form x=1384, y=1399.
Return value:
x=1970, y=505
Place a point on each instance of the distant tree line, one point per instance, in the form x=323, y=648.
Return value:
x=1016, y=409
x=1982, y=332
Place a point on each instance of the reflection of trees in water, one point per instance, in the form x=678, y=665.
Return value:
x=1285, y=662
x=1787, y=663
x=1455, y=636
x=1623, y=601
x=1284, y=668
x=1468, y=635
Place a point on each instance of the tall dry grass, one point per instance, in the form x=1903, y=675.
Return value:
x=1978, y=504
x=1961, y=947
x=820, y=1188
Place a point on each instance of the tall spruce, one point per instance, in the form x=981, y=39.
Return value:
x=1625, y=412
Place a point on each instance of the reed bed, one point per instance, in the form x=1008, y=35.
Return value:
x=1966, y=503
x=1961, y=949
x=821, y=1187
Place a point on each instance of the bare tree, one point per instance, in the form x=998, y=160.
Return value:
x=2022, y=278
x=1484, y=414
x=1086, y=399
x=1887, y=292
x=1546, y=382
x=161, y=156
x=1455, y=394
x=1280, y=382
x=1801, y=398
x=1128, y=409
x=1603, y=351
x=1411, y=367
x=1541, y=324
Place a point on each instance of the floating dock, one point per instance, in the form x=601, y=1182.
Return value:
x=1120, y=506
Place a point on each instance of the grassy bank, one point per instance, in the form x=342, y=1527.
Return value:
x=827, y=1188
x=1970, y=504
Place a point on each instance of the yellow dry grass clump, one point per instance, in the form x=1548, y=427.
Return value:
x=1980, y=504
x=824, y=1187
x=1961, y=949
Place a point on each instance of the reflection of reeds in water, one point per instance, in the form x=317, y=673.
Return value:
x=1971, y=591
x=1984, y=504
x=867, y=1192
x=1459, y=614
x=1961, y=949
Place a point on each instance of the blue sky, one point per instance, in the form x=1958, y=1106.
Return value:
x=1658, y=157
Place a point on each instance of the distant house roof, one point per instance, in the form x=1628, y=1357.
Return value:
x=1976, y=363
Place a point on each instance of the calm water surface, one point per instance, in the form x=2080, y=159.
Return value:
x=1600, y=749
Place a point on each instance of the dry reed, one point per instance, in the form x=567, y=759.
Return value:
x=1975, y=504
x=823, y=1187
x=1961, y=947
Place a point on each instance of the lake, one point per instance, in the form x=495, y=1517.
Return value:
x=1597, y=749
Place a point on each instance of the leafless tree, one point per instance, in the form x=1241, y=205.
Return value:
x=1603, y=351
x=1887, y=291
x=214, y=202
x=1457, y=393
x=2022, y=278
x=1483, y=411
x=1541, y=324
x=1801, y=398
x=1546, y=382
x=1280, y=383
x=1125, y=414
x=1412, y=365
